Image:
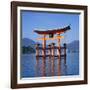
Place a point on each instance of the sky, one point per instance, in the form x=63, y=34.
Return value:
x=32, y=20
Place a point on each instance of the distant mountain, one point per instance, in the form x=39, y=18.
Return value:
x=27, y=42
x=73, y=46
x=28, y=46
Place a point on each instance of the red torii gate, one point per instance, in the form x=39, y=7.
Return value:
x=51, y=33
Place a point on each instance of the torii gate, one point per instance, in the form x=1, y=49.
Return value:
x=51, y=33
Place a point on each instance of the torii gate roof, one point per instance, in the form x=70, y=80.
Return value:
x=54, y=31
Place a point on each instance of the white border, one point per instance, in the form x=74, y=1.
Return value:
x=56, y=78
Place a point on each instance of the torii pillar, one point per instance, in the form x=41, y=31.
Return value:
x=44, y=46
x=58, y=47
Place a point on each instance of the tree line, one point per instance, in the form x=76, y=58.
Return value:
x=27, y=50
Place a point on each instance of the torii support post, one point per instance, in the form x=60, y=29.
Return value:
x=49, y=51
x=59, y=53
x=64, y=53
x=44, y=56
x=59, y=48
x=53, y=50
x=44, y=46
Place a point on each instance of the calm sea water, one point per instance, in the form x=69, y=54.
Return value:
x=30, y=67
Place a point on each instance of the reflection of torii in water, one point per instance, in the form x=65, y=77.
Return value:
x=58, y=36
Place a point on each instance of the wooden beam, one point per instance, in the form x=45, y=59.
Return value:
x=57, y=37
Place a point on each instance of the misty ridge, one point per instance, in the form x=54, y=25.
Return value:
x=28, y=46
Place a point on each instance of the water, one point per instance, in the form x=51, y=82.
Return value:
x=30, y=67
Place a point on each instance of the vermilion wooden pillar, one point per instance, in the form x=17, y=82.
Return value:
x=44, y=46
x=59, y=48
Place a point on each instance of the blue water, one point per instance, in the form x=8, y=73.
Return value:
x=30, y=67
